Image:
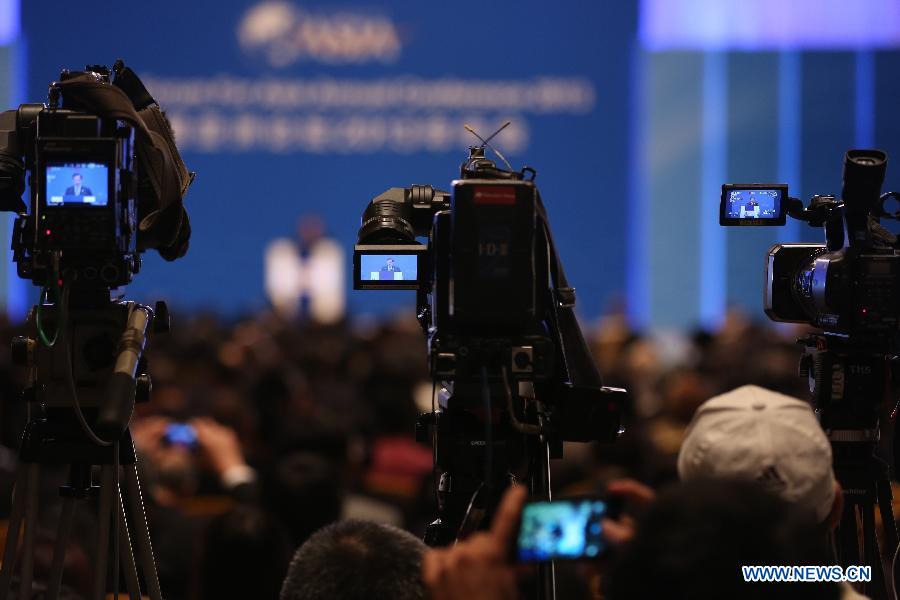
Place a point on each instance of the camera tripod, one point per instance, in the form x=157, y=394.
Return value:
x=477, y=444
x=865, y=485
x=848, y=377
x=83, y=386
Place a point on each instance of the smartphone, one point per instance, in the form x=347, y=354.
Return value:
x=181, y=434
x=567, y=529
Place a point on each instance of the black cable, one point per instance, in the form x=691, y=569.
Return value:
x=488, y=436
x=73, y=391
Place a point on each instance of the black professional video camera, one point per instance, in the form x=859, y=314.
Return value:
x=852, y=293
x=107, y=183
x=852, y=290
x=105, y=176
x=497, y=310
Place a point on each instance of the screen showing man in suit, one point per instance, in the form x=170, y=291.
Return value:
x=754, y=204
x=86, y=184
x=395, y=267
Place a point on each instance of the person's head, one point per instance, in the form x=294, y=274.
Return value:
x=390, y=262
x=356, y=560
x=76, y=178
x=774, y=440
x=693, y=541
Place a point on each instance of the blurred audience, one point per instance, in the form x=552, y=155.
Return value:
x=264, y=430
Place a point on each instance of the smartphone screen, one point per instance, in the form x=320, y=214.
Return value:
x=181, y=434
x=566, y=529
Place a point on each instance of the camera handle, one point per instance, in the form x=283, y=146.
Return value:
x=823, y=211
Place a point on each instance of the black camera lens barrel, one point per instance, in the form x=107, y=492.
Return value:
x=862, y=179
x=387, y=219
x=401, y=214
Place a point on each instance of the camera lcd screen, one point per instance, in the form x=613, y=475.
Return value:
x=389, y=267
x=564, y=529
x=753, y=204
x=79, y=184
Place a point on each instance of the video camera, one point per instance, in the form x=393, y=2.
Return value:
x=853, y=290
x=107, y=182
x=105, y=176
x=497, y=311
x=852, y=293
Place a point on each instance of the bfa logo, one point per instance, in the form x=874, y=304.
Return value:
x=285, y=34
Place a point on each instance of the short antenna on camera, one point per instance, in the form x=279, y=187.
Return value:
x=486, y=142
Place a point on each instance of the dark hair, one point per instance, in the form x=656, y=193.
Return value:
x=356, y=560
x=76, y=174
x=693, y=541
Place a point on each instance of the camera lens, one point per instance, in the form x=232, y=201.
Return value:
x=387, y=219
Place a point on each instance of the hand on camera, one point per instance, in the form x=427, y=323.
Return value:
x=478, y=568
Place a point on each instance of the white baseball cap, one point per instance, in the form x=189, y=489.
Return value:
x=757, y=434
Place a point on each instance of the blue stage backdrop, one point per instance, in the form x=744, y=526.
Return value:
x=285, y=108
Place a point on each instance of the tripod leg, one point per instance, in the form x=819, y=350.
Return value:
x=59, y=548
x=848, y=539
x=31, y=525
x=886, y=504
x=126, y=552
x=104, y=518
x=541, y=486
x=12, y=532
x=871, y=555
x=142, y=533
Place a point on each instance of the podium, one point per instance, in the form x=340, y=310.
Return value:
x=386, y=276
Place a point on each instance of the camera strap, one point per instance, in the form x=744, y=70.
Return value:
x=163, y=178
x=581, y=370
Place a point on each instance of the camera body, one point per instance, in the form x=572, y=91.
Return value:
x=482, y=278
x=82, y=219
x=842, y=291
x=491, y=291
x=94, y=235
x=849, y=287
x=486, y=296
x=850, y=290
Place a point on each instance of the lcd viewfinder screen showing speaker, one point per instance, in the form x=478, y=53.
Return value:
x=389, y=267
x=79, y=184
x=753, y=204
